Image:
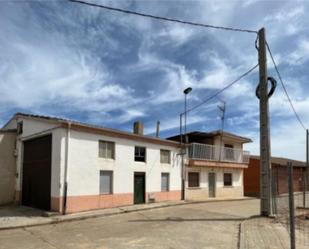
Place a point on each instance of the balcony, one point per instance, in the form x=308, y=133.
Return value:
x=218, y=154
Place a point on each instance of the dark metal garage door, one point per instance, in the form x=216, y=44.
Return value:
x=36, y=185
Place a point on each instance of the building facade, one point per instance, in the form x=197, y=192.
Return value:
x=214, y=165
x=279, y=175
x=68, y=166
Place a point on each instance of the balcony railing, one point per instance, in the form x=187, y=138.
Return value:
x=216, y=153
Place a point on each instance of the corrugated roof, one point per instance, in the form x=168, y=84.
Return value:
x=215, y=133
x=96, y=128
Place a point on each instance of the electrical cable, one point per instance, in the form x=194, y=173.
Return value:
x=223, y=89
x=284, y=88
x=162, y=18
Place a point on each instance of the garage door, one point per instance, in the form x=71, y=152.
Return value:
x=36, y=185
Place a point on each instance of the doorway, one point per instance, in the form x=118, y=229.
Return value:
x=139, y=187
x=36, y=173
x=212, y=184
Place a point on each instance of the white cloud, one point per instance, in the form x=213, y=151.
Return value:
x=301, y=54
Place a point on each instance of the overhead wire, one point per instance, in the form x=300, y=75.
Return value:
x=182, y=22
x=284, y=87
x=223, y=89
x=162, y=18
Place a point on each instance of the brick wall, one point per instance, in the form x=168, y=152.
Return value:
x=280, y=174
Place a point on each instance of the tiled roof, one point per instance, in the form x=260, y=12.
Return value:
x=95, y=128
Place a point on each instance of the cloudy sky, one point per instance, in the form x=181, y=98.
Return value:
x=83, y=63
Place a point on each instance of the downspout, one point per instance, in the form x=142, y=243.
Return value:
x=66, y=166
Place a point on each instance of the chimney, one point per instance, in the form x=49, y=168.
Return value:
x=138, y=128
x=158, y=129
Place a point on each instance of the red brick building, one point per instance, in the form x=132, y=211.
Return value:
x=279, y=174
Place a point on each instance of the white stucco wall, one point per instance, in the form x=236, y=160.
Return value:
x=7, y=167
x=32, y=129
x=221, y=191
x=85, y=165
x=236, y=145
x=237, y=176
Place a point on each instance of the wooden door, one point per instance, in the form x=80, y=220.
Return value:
x=36, y=181
x=139, y=188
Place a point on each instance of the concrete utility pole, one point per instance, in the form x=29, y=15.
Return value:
x=265, y=163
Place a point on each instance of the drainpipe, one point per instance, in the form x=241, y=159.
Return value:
x=66, y=166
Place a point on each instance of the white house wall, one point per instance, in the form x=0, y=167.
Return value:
x=201, y=192
x=31, y=130
x=7, y=167
x=85, y=165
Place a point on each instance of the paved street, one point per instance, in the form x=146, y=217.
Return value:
x=207, y=225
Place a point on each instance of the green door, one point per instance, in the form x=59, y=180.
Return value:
x=139, y=188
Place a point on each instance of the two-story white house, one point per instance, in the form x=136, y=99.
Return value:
x=67, y=166
x=215, y=163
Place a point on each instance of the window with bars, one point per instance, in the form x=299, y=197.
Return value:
x=228, y=179
x=107, y=149
x=106, y=182
x=193, y=179
x=165, y=156
x=140, y=154
x=165, y=182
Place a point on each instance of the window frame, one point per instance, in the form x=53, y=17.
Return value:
x=198, y=179
x=229, y=151
x=168, y=181
x=224, y=182
x=113, y=152
x=111, y=184
x=20, y=127
x=139, y=156
x=169, y=156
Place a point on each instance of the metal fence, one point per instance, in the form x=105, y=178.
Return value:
x=217, y=153
x=291, y=202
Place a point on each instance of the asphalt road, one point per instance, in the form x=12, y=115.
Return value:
x=207, y=225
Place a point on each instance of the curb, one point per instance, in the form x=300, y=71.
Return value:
x=120, y=210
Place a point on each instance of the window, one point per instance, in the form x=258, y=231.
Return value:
x=165, y=156
x=228, y=179
x=20, y=127
x=106, y=182
x=165, y=182
x=194, y=179
x=140, y=154
x=229, y=151
x=107, y=149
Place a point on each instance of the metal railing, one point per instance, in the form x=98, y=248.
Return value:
x=216, y=153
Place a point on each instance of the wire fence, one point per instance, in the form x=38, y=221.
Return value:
x=295, y=218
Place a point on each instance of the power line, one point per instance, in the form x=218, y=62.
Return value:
x=284, y=88
x=163, y=18
x=223, y=89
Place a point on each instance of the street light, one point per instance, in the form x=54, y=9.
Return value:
x=186, y=92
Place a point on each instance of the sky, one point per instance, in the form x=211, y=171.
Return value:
x=110, y=69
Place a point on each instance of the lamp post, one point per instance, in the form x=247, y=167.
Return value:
x=186, y=92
